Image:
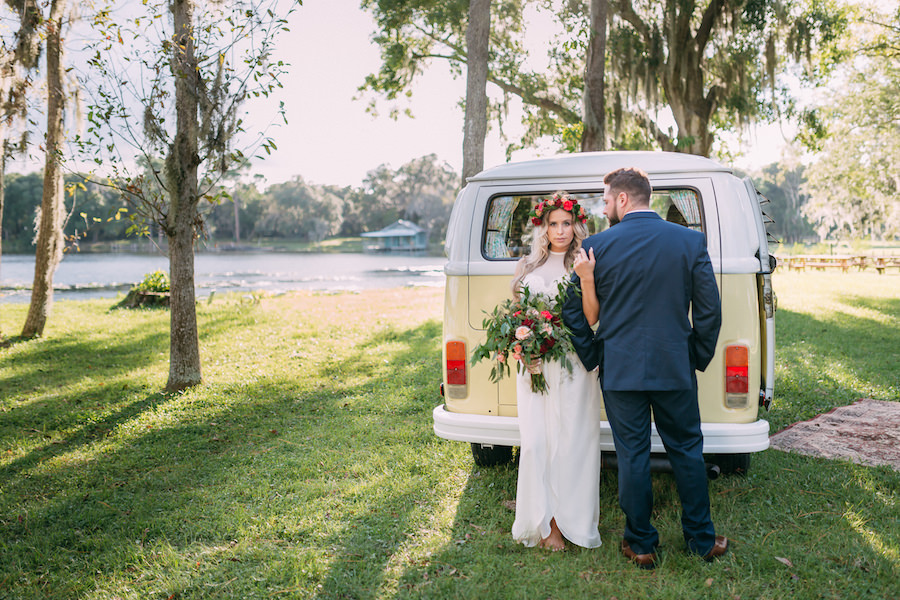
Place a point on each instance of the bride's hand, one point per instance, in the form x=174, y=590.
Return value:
x=584, y=264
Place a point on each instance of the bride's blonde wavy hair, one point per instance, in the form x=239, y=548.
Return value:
x=539, y=250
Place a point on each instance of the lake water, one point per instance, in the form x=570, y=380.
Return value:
x=81, y=276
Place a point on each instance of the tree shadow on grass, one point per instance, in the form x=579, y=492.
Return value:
x=245, y=488
x=68, y=423
x=832, y=521
x=45, y=367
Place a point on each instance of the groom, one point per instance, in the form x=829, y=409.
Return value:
x=649, y=273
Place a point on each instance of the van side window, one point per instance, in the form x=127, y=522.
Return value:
x=507, y=234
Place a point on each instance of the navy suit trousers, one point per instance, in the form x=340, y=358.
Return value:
x=677, y=418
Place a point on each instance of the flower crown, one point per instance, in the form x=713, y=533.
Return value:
x=557, y=201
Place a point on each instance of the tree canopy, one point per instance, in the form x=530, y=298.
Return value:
x=680, y=71
x=854, y=181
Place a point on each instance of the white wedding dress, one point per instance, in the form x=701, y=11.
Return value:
x=559, y=456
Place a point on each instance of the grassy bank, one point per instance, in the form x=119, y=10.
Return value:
x=305, y=467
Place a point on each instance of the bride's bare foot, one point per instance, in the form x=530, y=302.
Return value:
x=555, y=541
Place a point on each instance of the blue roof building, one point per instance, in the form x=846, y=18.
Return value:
x=401, y=235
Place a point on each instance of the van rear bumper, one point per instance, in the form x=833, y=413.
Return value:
x=718, y=438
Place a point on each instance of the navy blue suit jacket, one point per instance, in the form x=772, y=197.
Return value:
x=649, y=273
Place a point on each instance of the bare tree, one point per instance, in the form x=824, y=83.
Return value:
x=50, y=239
x=18, y=57
x=216, y=55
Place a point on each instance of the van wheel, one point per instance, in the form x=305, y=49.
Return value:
x=732, y=464
x=486, y=455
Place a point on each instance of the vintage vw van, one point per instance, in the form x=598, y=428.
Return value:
x=487, y=234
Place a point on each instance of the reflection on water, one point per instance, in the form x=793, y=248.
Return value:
x=81, y=276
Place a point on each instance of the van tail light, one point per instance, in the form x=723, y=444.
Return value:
x=456, y=370
x=737, y=376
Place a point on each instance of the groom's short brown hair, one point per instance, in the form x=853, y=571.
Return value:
x=632, y=181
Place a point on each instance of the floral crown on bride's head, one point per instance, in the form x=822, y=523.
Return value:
x=556, y=201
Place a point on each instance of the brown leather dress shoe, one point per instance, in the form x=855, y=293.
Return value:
x=644, y=561
x=718, y=549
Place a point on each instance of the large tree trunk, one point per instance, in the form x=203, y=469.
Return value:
x=2, y=198
x=181, y=175
x=50, y=231
x=684, y=78
x=691, y=109
x=594, y=135
x=477, y=44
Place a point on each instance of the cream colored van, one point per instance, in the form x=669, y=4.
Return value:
x=486, y=235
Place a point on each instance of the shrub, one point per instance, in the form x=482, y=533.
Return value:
x=152, y=292
x=157, y=281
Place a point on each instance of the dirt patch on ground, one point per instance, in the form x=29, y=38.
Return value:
x=866, y=432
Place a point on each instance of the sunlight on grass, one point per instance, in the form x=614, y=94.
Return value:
x=876, y=316
x=432, y=533
x=873, y=539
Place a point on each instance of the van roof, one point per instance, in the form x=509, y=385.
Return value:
x=588, y=164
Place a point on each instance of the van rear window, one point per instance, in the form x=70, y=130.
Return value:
x=508, y=226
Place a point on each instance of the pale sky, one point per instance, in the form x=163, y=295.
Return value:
x=331, y=139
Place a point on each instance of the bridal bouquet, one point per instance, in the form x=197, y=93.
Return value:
x=530, y=331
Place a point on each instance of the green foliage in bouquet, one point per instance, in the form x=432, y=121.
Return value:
x=529, y=330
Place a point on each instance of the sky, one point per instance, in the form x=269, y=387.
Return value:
x=331, y=139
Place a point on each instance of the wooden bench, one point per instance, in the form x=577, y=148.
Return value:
x=881, y=263
x=844, y=262
x=823, y=261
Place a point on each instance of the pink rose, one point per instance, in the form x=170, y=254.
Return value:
x=567, y=205
x=546, y=314
x=523, y=333
x=517, y=349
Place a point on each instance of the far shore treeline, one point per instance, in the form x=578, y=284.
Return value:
x=421, y=191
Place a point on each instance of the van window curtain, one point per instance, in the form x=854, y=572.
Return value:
x=687, y=203
x=499, y=217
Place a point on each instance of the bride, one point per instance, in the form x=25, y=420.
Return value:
x=557, y=494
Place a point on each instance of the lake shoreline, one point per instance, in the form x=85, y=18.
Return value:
x=109, y=275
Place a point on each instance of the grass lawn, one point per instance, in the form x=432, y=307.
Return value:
x=305, y=466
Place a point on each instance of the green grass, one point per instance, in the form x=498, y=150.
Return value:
x=305, y=466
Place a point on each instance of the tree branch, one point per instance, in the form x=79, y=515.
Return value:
x=626, y=11
x=710, y=16
x=661, y=137
x=566, y=114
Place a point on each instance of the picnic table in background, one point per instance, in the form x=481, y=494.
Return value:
x=843, y=261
